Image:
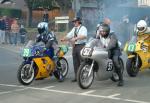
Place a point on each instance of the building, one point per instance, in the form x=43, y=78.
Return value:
x=143, y=2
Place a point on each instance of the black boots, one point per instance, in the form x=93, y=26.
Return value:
x=120, y=83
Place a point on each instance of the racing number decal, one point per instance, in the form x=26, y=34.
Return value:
x=26, y=52
x=131, y=47
x=109, y=66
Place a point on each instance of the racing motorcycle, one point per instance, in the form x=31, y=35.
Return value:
x=96, y=64
x=40, y=63
x=138, y=52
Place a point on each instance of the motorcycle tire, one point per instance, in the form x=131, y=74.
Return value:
x=115, y=76
x=82, y=76
x=23, y=75
x=62, y=69
x=130, y=67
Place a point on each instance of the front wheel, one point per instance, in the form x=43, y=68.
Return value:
x=26, y=74
x=132, y=70
x=85, y=81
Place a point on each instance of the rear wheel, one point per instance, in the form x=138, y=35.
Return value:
x=132, y=70
x=85, y=81
x=26, y=74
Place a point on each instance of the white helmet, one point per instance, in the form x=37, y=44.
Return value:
x=141, y=25
x=42, y=27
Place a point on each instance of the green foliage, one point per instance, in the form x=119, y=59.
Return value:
x=44, y=4
x=14, y=13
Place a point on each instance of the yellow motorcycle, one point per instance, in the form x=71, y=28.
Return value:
x=40, y=63
x=138, y=51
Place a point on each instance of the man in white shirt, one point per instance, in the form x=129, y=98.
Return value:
x=78, y=37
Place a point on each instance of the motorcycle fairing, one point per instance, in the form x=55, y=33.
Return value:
x=45, y=66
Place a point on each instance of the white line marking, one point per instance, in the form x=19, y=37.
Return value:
x=88, y=92
x=8, y=85
x=113, y=96
x=17, y=90
x=74, y=93
x=49, y=87
x=135, y=101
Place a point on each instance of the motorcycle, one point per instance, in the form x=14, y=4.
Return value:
x=40, y=63
x=96, y=64
x=138, y=53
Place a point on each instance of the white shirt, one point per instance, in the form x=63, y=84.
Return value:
x=80, y=31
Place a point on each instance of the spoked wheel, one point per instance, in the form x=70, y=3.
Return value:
x=85, y=79
x=26, y=74
x=115, y=76
x=131, y=69
x=62, y=69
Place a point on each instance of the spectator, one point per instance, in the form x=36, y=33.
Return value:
x=45, y=16
x=14, y=32
x=7, y=29
x=22, y=33
x=2, y=28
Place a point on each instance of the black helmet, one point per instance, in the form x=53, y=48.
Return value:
x=77, y=19
x=42, y=27
x=105, y=28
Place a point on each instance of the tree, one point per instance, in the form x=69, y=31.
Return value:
x=38, y=4
x=64, y=5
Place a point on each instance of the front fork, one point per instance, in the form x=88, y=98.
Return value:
x=31, y=66
x=91, y=68
x=136, y=61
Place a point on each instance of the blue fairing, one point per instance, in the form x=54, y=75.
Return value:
x=50, y=52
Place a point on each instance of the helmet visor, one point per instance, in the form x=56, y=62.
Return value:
x=40, y=30
x=141, y=28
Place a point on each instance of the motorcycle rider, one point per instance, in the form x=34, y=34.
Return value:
x=142, y=27
x=110, y=43
x=47, y=37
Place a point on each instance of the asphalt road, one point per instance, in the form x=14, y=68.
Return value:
x=135, y=90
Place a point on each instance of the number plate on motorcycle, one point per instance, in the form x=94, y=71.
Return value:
x=87, y=51
x=26, y=52
x=131, y=47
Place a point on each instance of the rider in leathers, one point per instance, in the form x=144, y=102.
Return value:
x=48, y=38
x=110, y=43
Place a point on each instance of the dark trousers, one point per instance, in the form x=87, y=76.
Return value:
x=117, y=65
x=77, y=57
x=114, y=55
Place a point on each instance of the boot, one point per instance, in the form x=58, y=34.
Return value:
x=120, y=83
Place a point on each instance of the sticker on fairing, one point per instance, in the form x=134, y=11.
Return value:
x=26, y=52
x=131, y=47
x=109, y=66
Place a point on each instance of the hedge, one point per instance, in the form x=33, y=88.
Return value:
x=14, y=13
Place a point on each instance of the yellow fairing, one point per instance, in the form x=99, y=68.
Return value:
x=131, y=56
x=61, y=53
x=45, y=66
x=125, y=47
x=144, y=55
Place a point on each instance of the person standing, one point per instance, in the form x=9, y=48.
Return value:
x=14, y=31
x=45, y=16
x=2, y=27
x=22, y=33
x=7, y=29
x=78, y=37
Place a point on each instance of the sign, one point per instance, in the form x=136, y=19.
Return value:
x=62, y=19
